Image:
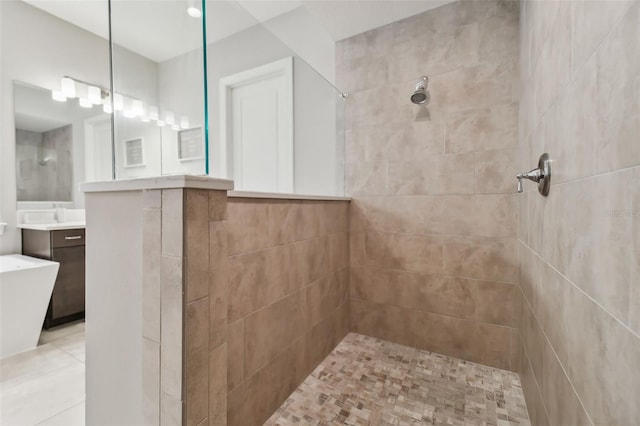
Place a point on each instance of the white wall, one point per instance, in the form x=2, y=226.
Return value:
x=304, y=35
x=317, y=155
x=38, y=49
x=114, y=308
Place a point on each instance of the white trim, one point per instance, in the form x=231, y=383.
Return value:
x=281, y=67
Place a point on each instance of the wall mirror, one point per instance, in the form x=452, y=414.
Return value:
x=59, y=143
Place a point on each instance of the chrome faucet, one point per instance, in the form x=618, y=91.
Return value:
x=541, y=175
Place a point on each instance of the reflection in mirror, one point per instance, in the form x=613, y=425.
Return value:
x=50, y=125
x=159, y=85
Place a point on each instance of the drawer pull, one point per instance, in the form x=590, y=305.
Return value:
x=75, y=237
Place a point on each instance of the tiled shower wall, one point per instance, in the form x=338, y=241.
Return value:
x=434, y=213
x=580, y=246
x=288, y=281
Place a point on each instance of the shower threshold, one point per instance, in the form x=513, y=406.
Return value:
x=368, y=381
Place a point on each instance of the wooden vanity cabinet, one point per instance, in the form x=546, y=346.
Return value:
x=66, y=247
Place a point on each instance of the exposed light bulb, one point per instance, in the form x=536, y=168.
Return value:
x=57, y=95
x=118, y=102
x=175, y=127
x=85, y=103
x=94, y=94
x=169, y=118
x=68, y=87
x=153, y=112
x=184, y=122
x=160, y=123
x=137, y=107
x=194, y=12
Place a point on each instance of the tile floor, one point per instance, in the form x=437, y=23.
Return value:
x=367, y=381
x=45, y=386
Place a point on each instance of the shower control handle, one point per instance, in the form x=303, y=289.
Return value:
x=541, y=175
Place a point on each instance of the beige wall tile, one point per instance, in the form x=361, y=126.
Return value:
x=197, y=326
x=446, y=174
x=217, y=205
x=196, y=243
x=591, y=22
x=496, y=303
x=150, y=382
x=495, y=171
x=484, y=343
x=486, y=129
x=561, y=402
x=483, y=258
x=171, y=410
x=618, y=63
x=172, y=222
x=235, y=355
x=419, y=253
x=152, y=199
x=218, y=386
x=382, y=321
x=171, y=326
x=268, y=331
x=248, y=225
x=151, y=273
x=286, y=372
x=257, y=279
x=218, y=283
x=248, y=404
x=197, y=386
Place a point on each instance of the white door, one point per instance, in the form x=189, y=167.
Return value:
x=257, y=128
x=98, y=161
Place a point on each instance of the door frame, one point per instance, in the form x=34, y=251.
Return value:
x=282, y=67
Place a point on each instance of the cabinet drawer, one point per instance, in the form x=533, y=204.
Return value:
x=67, y=238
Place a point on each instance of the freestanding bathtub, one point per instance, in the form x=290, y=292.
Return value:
x=26, y=284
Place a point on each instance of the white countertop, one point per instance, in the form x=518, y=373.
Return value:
x=52, y=226
x=158, y=182
x=281, y=196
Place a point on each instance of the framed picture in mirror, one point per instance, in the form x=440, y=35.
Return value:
x=190, y=144
x=134, y=153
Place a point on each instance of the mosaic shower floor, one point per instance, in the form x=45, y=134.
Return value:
x=367, y=381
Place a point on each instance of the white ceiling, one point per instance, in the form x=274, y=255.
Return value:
x=161, y=29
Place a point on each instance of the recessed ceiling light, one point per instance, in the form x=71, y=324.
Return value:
x=194, y=12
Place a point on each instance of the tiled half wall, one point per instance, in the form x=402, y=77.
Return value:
x=243, y=298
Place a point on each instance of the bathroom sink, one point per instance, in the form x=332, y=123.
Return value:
x=52, y=226
x=51, y=220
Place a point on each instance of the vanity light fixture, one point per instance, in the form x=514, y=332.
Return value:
x=57, y=95
x=118, y=102
x=68, y=87
x=137, y=108
x=169, y=118
x=94, y=94
x=153, y=112
x=90, y=94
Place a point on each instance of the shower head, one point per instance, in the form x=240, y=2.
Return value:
x=421, y=94
x=44, y=161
